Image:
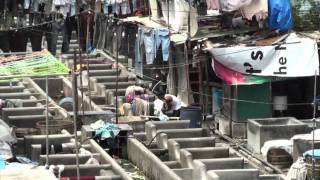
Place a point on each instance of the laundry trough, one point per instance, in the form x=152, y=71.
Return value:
x=261, y=130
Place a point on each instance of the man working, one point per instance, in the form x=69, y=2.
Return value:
x=171, y=105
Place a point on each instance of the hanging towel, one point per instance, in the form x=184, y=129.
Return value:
x=233, y=5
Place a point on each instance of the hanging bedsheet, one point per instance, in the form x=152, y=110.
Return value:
x=294, y=57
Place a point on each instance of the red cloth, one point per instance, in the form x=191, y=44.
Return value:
x=81, y=178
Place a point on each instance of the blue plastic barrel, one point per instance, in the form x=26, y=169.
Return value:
x=218, y=96
x=194, y=114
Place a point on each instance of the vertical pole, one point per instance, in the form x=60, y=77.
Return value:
x=236, y=105
x=79, y=39
x=5, y=12
x=201, y=96
x=75, y=111
x=150, y=11
x=89, y=85
x=168, y=14
x=186, y=56
x=314, y=122
x=81, y=84
x=78, y=27
x=128, y=46
x=117, y=73
x=189, y=19
x=207, y=89
x=47, y=123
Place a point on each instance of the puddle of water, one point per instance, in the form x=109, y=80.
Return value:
x=132, y=170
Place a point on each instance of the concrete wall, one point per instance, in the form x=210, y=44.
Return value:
x=150, y=164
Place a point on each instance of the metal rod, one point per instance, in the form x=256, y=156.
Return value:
x=186, y=54
x=189, y=20
x=47, y=123
x=29, y=76
x=117, y=72
x=171, y=118
x=314, y=122
x=150, y=10
x=16, y=53
x=78, y=27
x=89, y=86
x=75, y=112
x=168, y=14
x=88, y=37
x=81, y=84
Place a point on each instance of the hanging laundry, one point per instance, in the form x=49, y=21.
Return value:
x=70, y=24
x=115, y=7
x=134, y=90
x=99, y=30
x=37, y=16
x=18, y=38
x=106, y=4
x=60, y=6
x=27, y=4
x=53, y=30
x=140, y=107
x=133, y=3
x=179, y=15
x=146, y=37
x=125, y=7
x=258, y=8
x=162, y=37
x=71, y=7
x=213, y=4
x=86, y=29
x=213, y=7
x=280, y=15
x=233, y=5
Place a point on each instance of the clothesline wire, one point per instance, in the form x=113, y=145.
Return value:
x=46, y=22
x=231, y=99
x=47, y=32
x=172, y=65
x=103, y=3
x=120, y=19
x=49, y=22
x=176, y=65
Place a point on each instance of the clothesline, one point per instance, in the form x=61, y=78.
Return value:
x=43, y=23
x=232, y=99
